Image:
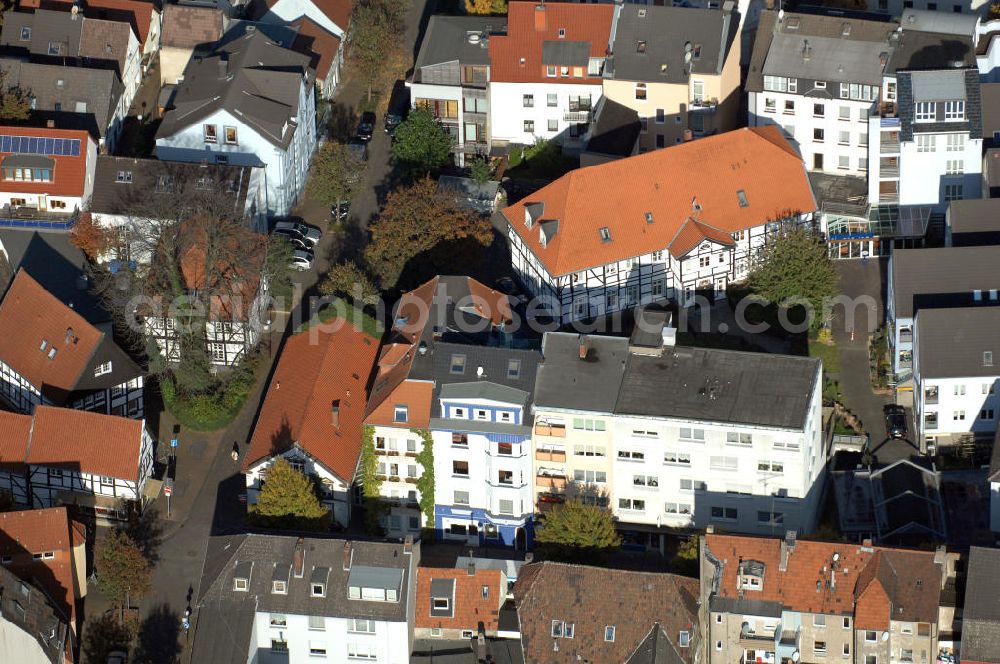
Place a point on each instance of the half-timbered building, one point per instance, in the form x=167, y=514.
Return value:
x=15, y=429
x=312, y=413
x=657, y=226
x=53, y=355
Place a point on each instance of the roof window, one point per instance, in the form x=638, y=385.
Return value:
x=649, y=217
x=562, y=33
x=605, y=234
x=124, y=177
x=52, y=352
x=741, y=196
x=987, y=358
x=42, y=346
x=640, y=47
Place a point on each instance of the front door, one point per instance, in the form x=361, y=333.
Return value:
x=43, y=202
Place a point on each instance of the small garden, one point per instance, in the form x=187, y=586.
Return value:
x=216, y=404
x=542, y=161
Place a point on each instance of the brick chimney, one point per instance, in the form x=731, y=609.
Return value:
x=584, y=346
x=540, y=16
x=299, y=558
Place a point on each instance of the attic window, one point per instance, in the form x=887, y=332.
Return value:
x=401, y=414
x=741, y=196
x=696, y=52
x=241, y=584
x=562, y=33
x=640, y=47
x=457, y=364
x=609, y=633
x=124, y=177
x=42, y=346
x=684, y=639
x=279, y=587
x=440, y=603
x=605, y=234
x=318, y=590
x=513, y=369
x=26, y=34
x=486, y=592
x=649, y=217
x=522, y=62
x=987, y=358
x=845, y=31
x=642, y=13
x=102, y=369
x=52, y=352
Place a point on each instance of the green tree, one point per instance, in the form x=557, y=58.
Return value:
x=420, y=143
x=376, y=27
x=425, y=483
x=334, y=173
x=288, y=501
x=348, y=281
x=418, y=221
x=486, y=7
x=15, y=101
x=685, y=561
x=576, y=532
x=123, y=572
x=480, y=170
x=277, y=267
x=103, y=635
x=793, y=267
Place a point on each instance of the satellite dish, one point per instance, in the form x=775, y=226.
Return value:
x=795, y=656
x=781, y=14
x=836, y=557
x=885, y=636
x=687, y=58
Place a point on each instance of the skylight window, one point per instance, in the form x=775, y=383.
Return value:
x=641, y=46
x=52, y=352
x=741, y=196
x=458, y=364
x=605, y=234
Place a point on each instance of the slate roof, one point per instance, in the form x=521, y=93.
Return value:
x=687, y=383
x=951, y=342
x=593, y=598
x=712, y=171
x=656, y=648
x=30, y=315
x=467, y=608
x=137, y=13
x=252, y=78
x=930, y=50
x=447, y=40
x=187, y=26
x=316, y=370
x=939, y=85
x=664, y=32
x=46, y=27
x=941, y=277
x=981, y=615
x=26, y=608
x=60, y=90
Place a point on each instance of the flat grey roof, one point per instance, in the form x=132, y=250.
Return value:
x=566, y=381
x=941, y=277
x=955, y=343
x=937, y=85
x=931, y=50
x=974, y=215
x=386, y=578
x=830, y=58
x=447, y=40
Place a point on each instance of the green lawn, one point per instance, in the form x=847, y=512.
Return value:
x=355, y=316
x=828, y=354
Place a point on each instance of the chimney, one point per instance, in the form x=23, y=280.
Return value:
x=709, y=530
x=50, y=124
x=348, y=556
x=769, y=4
x=335, y=414
x=471, y=567
x=584, y=346
x=787, y=547
x=866, y=543
x=223, y=66
x=528, y=557
x=69, y=334
x=408, y=545
x=299, y=558
x=540, y=16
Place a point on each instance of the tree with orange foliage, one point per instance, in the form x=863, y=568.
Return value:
x=90, y=237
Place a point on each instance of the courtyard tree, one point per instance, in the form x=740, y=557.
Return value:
x=347, y=280
x=335, y=173
x=486, y=7
x=15, y=101
x=577, y=532
x=377, y=28
x=123, y=572
x=420, y=144
x=288, y=500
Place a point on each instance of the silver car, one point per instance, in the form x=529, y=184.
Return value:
x=301, y=260
x=308, y=234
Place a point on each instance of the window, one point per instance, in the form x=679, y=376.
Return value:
x=210, y=133
x=317, y=623
x=506, y=506
x=240, y=584
x=460, y=468
x=317, y=649
x=954, y=110
x=279, y=646
x=505, y=449
x=278, y=620
x=457, y=367
x=926, y=142
x=628, y=455
x=55, y=48
x=361, y=651
x=101, y=369
x=693, y=485
x=740, y=439
x=789, y=107
x=771, y=466
x=552, y=100
x=679, y=458
x=461, y=497
x=279, y=587
x=780, y=84
x=631, y=504
x=776, y=519
x=704, y=261
x=722, y=463
x=529, y=126
x=605, y=234
x=925, y=111
x=553, y=125
x=870, y=659
x=645, y=480
x=441, y=603
x=846, y=624
x=529, y=101
x=505, y=477
x=107, y=481
x=952, y=192
x=819, y=647
x=770, y=105
x=640, y=91
x=847, y=650
x=696, y=435
x=550, y=71
x=678, y=508
x=401, y=414
x=958, y=415
x=818, y=135
x=818, y=110
x=25, y=34
x=124, y=177
x=609, y=632
x=590, y=476
x=317, y=589
x=725, y=513
x=584, y=424
x=956, y=142
x=684, y=639
x=589, y=451
x=871, y=637
x=661, y=116
x=954, y=167
x=819, y=620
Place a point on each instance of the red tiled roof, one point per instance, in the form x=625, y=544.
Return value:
x=28, y=532
x=29, y=315
x=314, y=41
x=665, y=183
x=137, y=13
x=415, y=395
x=316, y=369
x=531, y=24
x=593, y=598
x=692, y=232
x=14, y=432
x=69, y=174
x=91, y=442
x=469, y=607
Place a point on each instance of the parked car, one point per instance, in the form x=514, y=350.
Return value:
x=392, y=120
x=339, y=211
x=302, y=260
x=367, y=126
x=895, y=421
x=293, y=239
x=308, y=234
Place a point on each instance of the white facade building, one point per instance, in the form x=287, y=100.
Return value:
x=524, y=113
x=220, y=114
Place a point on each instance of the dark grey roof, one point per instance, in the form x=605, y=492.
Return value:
x=564, y=53
x=747, y=606
x=484, y=389
x=222, y=631
x=930, y=85
x=941, y=277
x=974, y=215
x=907, y=501
x=27, y=609
x=930, y=50
x=87, y=95
x=112, y=196
x=251, y=77
x=981, y=616
x=956, y=343
x=655, y=649
x=650, y=321
x=464, y=651
x=663, y=32
x=443, y=589
x=47, y=27
x=616, y=128
x=372, y=565
x=989, y=94
x=591, y=384
x=447, y=40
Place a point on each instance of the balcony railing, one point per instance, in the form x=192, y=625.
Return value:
x=554, y=430
x=906, y=364
x=577, y=116
x=889, y=143
x=559, y=456
x=888, y=171
x=551, y=481
x=906, y=336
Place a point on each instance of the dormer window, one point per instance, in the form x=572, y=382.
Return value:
x=241, y=576
x=640, y=47
x=562, y=33
x=401, y=414
x=457, y=364
x=318, y=590
x=684, y=639
x=605, y=234
x=441, y=603
x=42, y=346
x=52, y=352
x=25, y=34
x=241, y=584
x=279, y=588
x=124, y=177
x=750, y=575
x=102, y=369
x=317, y=582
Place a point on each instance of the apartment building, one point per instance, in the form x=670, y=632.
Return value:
x=312, y=414
x=444, y=310
x=939, y=278
x=704, y=209
x=954, y=377
x=546, y=72
x=678, y=68
x=451, y=77
x=481, y=429
x=778, y=600
x=738, y=441
x=817, y=77
x=274, y=598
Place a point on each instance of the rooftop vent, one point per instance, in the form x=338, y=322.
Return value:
x=845, y=30
x=335, y=413
x=806, y=50
x=642, y=13
x=474, y=37
x=584, y=346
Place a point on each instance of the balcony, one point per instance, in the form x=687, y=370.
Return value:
x=31, y=217
x=889, y=142
x=930, y=421
x=551, y=481
x=703, y=104
x=906, y=335
x=549, y=429
x=931, y=395
x=546, y=501
x=558, y=456
x=888, y=171
x=579, y=117
x=758, y=642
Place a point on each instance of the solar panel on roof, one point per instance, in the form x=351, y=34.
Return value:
x=39, y=145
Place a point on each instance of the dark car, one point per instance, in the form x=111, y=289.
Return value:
x=367, y=126
x=392, y=120
x=895, y=421
x=339, y=211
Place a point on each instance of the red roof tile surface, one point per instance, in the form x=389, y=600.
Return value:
x=69, y=174
x=316, y=370
x=665, y=183
x=469, y=607
x=593, y=598
x=14, y=432
x=91, y=442
x=531, y=24
x=29, y=315
x=28, y=532
x=314, y=41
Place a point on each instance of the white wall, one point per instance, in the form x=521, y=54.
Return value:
x=288, y=11
x=390, y=640
x=922, y=175
x=508, y=113
x=16, y=645
x=401, y=448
